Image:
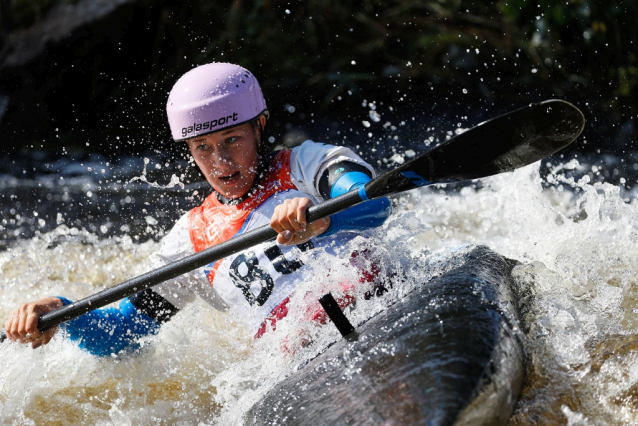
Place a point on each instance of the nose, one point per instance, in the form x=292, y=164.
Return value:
x=222, y=158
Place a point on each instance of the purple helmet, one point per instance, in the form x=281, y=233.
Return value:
x=213, y=97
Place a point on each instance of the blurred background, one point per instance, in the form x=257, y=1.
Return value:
x=98, y=72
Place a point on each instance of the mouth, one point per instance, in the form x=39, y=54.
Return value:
x=229, y=179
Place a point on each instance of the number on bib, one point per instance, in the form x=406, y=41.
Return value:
x=253, y=273
x=283, y=265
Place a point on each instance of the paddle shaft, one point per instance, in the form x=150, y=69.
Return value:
x=505, y=143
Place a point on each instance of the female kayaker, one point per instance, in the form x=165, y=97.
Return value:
x=219, y=112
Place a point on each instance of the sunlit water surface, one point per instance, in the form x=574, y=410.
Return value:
x=576, y=242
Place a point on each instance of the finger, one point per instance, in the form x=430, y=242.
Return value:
x=298, y=239
x=288, y=218
x=292, y=221
x=8, y=329
x=285, y=237
x=31, y=324
x=44, y=338
x=279, y=218
x=287, y=222
x=21, y=329
x=48, y=335
x=36, y=343
x=15, y=325
x=302, y=208
x=28, y=332
x=314, y=229
x=276, y=219
x=303, y=236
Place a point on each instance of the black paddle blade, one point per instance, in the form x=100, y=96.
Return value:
x=502, y=144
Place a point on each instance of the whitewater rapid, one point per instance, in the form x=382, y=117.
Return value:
x=575, y=239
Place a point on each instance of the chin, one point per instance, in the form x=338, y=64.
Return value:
x=233, y=194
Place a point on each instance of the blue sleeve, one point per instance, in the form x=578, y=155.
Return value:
x=106, y=331
x=369, y=214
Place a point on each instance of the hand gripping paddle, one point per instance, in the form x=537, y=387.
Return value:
x=502, y=144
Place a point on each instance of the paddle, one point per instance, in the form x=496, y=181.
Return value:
x=502, y=144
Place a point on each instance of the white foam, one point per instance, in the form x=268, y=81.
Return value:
x=576, y=242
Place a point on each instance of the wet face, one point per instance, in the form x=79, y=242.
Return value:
x=228, y=159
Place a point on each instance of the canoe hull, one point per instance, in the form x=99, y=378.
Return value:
x=450, y=353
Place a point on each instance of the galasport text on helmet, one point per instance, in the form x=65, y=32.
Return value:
x=211, y=98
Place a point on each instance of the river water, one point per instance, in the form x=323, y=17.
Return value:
x=83, y=225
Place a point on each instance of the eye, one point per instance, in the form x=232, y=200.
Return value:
x=202, y=147
x=231, y=139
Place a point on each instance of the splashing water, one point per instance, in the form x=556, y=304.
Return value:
x=575, y=241
x=175, y=181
